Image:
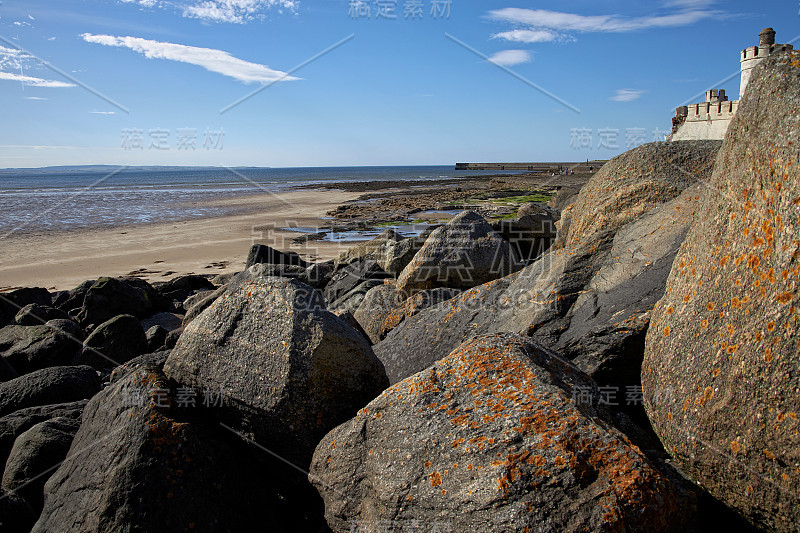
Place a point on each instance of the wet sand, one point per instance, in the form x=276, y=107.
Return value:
x=159, y=252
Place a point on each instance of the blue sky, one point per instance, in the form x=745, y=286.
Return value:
x=151, y=82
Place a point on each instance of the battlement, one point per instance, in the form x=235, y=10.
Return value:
x=708, y=110
x=760, y=52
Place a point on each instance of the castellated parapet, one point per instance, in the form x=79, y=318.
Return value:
x=710, y=119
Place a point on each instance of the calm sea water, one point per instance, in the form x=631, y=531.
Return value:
x=35, y=201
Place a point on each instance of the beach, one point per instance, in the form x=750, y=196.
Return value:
x=159, y=251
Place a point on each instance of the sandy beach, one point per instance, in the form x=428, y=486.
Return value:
x=62, y=260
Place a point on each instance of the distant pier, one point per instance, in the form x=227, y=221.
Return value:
x=582, y=166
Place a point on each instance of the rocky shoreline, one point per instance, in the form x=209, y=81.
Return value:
x=620, y=355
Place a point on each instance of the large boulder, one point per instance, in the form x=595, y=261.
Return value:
x=109, y=297
x=35, y=454
x=182, y=287
x=492, y=438
x=352, y=300
x=384, y=308
x=72, y=299
x=11, y=302
x=16, y=516
x=289, y=370
x=588, y=301
x=37, y=314
x=261, y=253
x=28, y=348
x=351, y=276
x=207, y=299
x=114, y=342
x=15, y=424
x=138, y=463
x=720, y=374
x=58, y=384
x=374, y=249
x=531, y=234
x=463, y=253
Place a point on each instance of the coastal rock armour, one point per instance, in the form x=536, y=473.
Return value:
x=114, y=342
x=463, y=253
x=150, y=470
x=589, y=302
x=52, y=385
x=29, y=348
x=34, y=455
x=261, y=253
x=289, y=370
x=720, y=378
x=109, y=297
x=490, y=438
x=13, y=301
x=351, y=276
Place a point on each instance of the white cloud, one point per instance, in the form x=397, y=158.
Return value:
x=627, y=95
x=103, y=112
x=34, y=98
x=508, y=58
x=35, y=82
x=527, y=36
x=22, y=23
x=213, y=60
x=51, y=38
x=554, y=20
x=236, y=11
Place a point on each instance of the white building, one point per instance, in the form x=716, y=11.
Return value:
x=710, y=119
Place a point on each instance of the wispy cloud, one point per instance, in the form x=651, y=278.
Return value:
x=510, y=58
x=627, y=95
x=103, y=112
x=34, y=98
x=527, y=36
x=33, y=81
x=541, y=22
x=236, y=11
x=210, y=59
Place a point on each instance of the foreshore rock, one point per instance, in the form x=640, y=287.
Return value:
x=491, y=438
x=289, y=370
x=589, y=300
x=720, y=370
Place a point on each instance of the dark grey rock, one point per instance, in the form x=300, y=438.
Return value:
x=58, y=384
x=168, y=321
x=15, y=424
x=150, y=469
x=261, y=253
x=37, y=315
x=190, y=301
x=373, y=249
x=351, y=300
x=28, y=348
x=11, y=302
x=73, y=298
x=35, y=456
x=492, y=438
x=530, y=235
x=70, y=327
x=268, y=270
x=396, y=255
x=16, y=516
x=156, y=336
x=463, y=253
x=318, y=275
x=114, y=342
x=155, y=359
x=720, y=379
x=351, y=276
x=110, y=297
x=202, y=304
x=182, y=287
x=289, y=369
x=172, y=338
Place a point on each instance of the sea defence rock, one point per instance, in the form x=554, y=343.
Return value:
x=15, y=424
x=34, y=455
x=37, y=315
x=463, y=253
x=114, y=342
x=531, y=233
x=182, y=287
x=589, y=301
x=109, y=297
x=29, y=348
x=384, y=308
x=150, y=470
x=289, y=370
x=16, y=516
x=261, y=253
x=351, y=276
x=720, y=378
x=11, y=302
x=352, y=300
x=374, y=249
x=52, y=385
x=491, y=438
x=201, y=305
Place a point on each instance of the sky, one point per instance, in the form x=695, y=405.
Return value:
x=344, y=83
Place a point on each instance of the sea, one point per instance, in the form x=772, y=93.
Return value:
x=73, y=198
